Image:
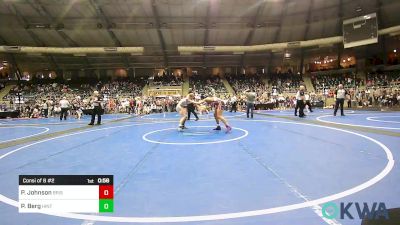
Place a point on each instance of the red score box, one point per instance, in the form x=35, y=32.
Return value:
x=106, y=192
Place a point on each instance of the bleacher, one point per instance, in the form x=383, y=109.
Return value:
x=242, y=82
x=285, y=82
x=331, y=81
x=203, y=85
x=383, y=79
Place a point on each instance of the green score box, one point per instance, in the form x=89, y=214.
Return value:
x=106, y=205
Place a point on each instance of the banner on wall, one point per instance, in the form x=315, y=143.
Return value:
x=164, y=92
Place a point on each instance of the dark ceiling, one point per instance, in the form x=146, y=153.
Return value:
x=162, y=25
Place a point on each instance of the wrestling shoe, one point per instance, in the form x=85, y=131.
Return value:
x=228, y=129
x=217, y=128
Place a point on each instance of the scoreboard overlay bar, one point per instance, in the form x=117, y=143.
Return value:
x=66, y=193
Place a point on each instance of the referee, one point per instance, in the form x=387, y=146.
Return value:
x=340, y=94
x=191, y=107
x=64, y=105
x=97, y=109
x=300, y=102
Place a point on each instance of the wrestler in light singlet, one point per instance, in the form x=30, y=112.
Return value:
x=181, y=108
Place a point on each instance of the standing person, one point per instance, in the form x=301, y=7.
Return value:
x=250, y=100
x=64, y=105
x=132, y=106
x=45, y=108
x=190, y=106
x=300, y=102
x=307, y=98
x=51, y=107
x=233, y=101
x=97, y=108
x=340, y=95
x=139, y=106
x=190, y=109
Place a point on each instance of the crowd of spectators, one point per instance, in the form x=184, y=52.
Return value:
x=241, y=83
x=325, y=83
x=383, y=79
x=120, y=89
x=34, y=99
x=141, y=105
x=147, y=105
x=375, y=97
x=381, y=90
x=208, y=84
x=54, y=90
x=166, y=80
x=285, y=82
